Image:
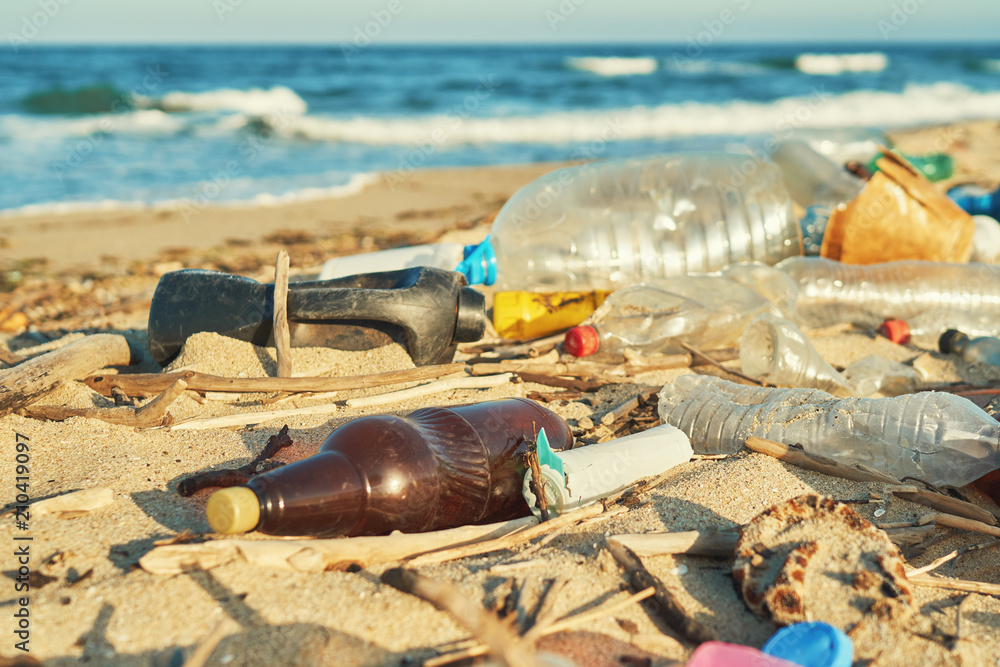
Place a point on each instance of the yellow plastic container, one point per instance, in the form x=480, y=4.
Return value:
x=536, y=314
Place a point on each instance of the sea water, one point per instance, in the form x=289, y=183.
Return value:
x=189, y=126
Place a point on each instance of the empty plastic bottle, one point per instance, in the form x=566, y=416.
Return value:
x=609, y=224
x=435, y=468
x=812, y=178
x=776, y=351
x=982, y=350
x=834, y=293
x=938, y=437
x=842, y=145
x=704, y=311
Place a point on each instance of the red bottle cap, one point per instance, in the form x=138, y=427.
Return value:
x=581, y=341
x=898, y=331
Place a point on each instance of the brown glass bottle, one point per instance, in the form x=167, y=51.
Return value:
x=435, y=468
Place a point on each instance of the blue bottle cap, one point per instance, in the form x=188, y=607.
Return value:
x=480, y=265
x=811, y=645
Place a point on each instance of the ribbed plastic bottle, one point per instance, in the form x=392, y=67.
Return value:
x=707, y=312
x=834, y=293
x=608, y=224
x=435, y=468
x=981, y=350
x=938, y=437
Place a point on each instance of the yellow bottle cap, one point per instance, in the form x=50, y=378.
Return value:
x=233, y=510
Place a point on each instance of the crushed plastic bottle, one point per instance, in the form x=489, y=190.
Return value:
x=830, y=292
x=614, y=223
x=811, y=644
x=707, y=312
x=873, y=374
x=938, y=437
x=774, y=350
x=981, y=350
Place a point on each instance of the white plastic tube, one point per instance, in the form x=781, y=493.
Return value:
x=596, y=471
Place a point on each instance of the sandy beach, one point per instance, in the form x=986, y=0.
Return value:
x=94, y=604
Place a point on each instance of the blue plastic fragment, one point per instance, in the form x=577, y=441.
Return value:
x=547, y=457
x=480, y=265
x=811, y=645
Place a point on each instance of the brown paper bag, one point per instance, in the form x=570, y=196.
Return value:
x=899, y=215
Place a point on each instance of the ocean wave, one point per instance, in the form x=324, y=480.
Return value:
x=839, y=63
x=942, y=102
x=93, y=99
x=354, y=185
x=143, y=121
x=613, y=65
x=255, y=101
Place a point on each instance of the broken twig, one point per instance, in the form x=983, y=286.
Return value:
x=149, y=384
x=235, y=476
x=816, y=463
x=439, y=386
x=151, y=415
x=667, y=607
x=282, y=336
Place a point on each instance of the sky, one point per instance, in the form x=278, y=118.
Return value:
x=509, y=21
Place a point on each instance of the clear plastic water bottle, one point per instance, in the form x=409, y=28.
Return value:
x=982, y=350
x=609, y=224
x=831, y=292
x=705, y=311
x=814, y=179
x=938, y=437
x=776, y=351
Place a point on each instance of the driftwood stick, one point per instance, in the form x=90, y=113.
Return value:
x=952, y=521
x=500, y=637
x=311, y=555
x=538, y=484
x=817, y=463
x=666, y=606
x=29, y=381
x=205, y=647
x=711, y=542
x=150, y=384
x=448, y=384
x=956, y=584
x=943, y=503
x=282, y=336
x=695, y=352
x=625, y=409
x=243, y=419
x=594, y=369
x=933, y=565
x=532, y=348
x=543, y=628
x=8, y=357
x=150, y=415
x=509, y=541
x=582, y=384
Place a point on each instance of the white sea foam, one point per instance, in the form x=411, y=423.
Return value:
x=942, y=102
x=255, y=101
x=355, y=184
x=614, y=65
x=839, y=63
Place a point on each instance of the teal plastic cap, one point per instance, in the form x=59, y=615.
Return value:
x=811, y=645
x=480, y=265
